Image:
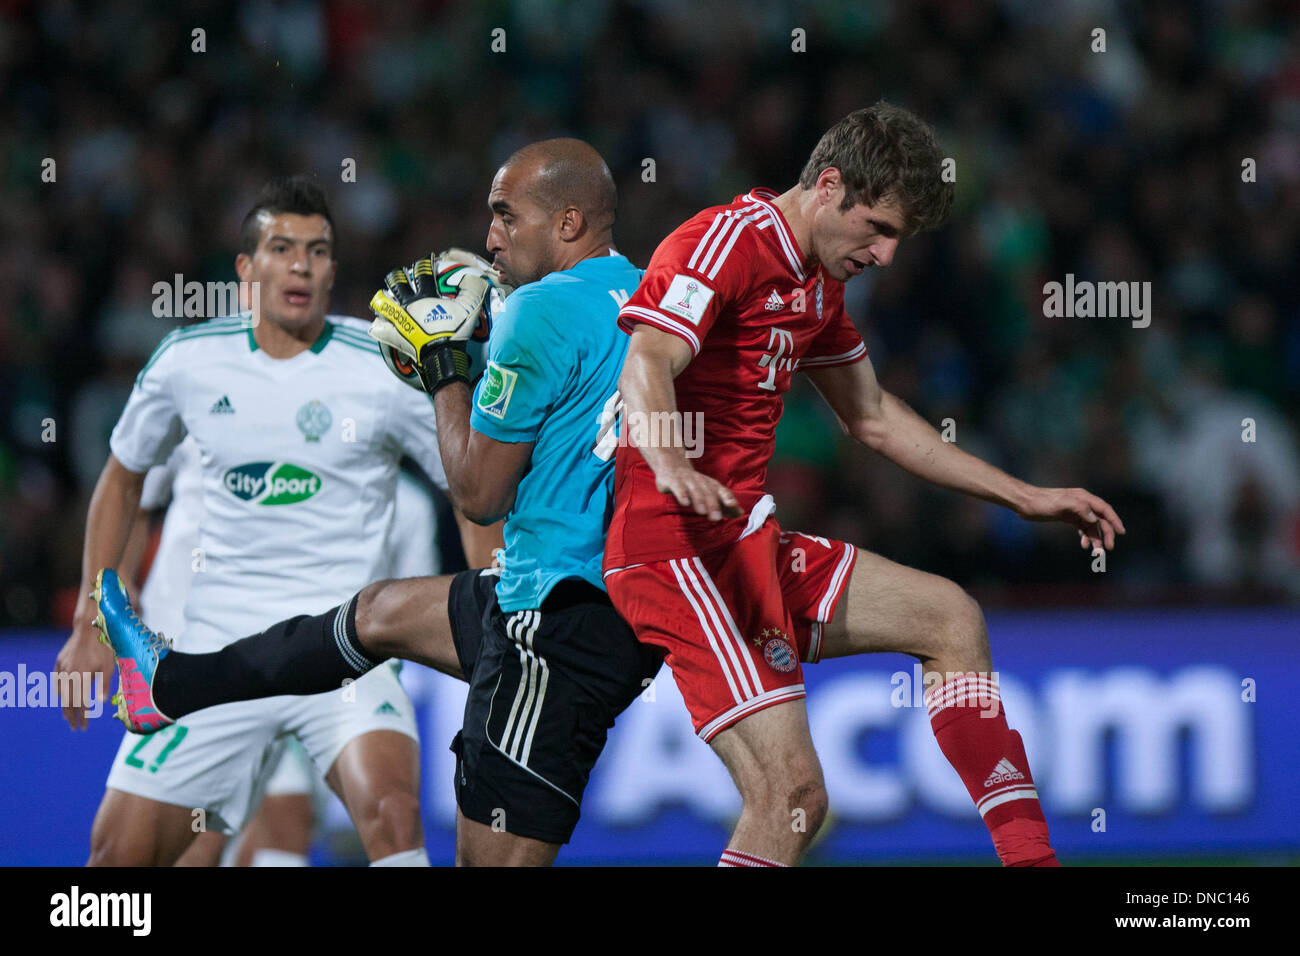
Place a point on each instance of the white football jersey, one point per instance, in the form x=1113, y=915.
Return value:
x=176, y=485
x=299, y=460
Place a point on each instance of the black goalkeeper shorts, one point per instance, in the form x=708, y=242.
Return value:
x=544, y=688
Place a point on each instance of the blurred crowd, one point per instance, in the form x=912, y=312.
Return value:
x=1123, y=164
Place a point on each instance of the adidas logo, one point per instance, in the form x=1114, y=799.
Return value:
x=387, y=708
x=1004, y=772
x=222, y=406
x=774, y=303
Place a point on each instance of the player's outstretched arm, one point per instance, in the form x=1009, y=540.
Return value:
x=112, y=512
x=654, y=359
x=885, y=424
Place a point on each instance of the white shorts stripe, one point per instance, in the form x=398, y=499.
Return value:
x=731, y=624
x=765, y=699
x=814, y=643
x=514, y=739
x=708, y=631
x=827, y=605
x=734, y=650
x=525, y=672
x=541, y=691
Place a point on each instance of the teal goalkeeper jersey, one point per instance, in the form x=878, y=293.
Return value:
x=552, y=377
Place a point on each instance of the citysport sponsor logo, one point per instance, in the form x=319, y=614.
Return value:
x=271, y=483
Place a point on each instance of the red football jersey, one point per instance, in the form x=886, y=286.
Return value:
x=730, y=282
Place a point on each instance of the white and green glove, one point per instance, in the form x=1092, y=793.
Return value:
x=426, y=314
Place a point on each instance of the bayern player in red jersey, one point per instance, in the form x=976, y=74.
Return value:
x=735, y=301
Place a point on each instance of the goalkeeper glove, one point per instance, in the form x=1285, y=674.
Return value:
x=415, y=316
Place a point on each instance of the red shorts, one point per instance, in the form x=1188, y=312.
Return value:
x=737, y=622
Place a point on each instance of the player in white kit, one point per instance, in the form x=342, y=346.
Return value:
x=300, y=435
x=280, y=831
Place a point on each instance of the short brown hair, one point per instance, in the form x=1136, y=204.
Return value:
x=885, y=152
x=297, y=194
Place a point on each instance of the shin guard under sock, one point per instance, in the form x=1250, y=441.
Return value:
x=303, y=655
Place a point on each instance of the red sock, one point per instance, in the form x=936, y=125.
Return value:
x=966, y=715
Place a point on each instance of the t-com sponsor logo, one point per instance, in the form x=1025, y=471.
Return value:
x=271, y=483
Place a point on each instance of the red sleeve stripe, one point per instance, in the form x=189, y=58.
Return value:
x=844, y=358
x=635, y=313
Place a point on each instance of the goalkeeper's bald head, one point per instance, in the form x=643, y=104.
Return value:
x=569, y=172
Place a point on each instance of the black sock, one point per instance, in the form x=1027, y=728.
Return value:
x=303, y=655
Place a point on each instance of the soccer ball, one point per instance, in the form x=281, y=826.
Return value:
x=448, y=272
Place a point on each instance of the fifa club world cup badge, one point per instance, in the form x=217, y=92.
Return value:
x=778, y=653
x=314, y=420
x=691, y=289
x=819, y=295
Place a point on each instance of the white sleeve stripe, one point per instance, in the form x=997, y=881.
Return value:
x=664, y=322
x=730, y=217
x=729, y=224
x=844, y=358
x=726, y=250
x=740, y=218
x=717, y=221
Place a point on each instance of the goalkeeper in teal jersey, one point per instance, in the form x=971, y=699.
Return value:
x=549, y=663
x=550, y=376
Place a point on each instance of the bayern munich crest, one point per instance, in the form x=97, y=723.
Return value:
x=778, y=653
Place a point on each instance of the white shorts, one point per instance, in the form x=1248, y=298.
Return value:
x=293, y=774
x=219, y=759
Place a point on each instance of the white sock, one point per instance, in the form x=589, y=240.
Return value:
x=269, y=857
x=417, y=857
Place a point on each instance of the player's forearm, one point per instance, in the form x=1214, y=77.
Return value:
x=902, y=436
x=478, y=541
x=646, y=385
x=112, y=512
x=451, y=405
x=137, y=541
